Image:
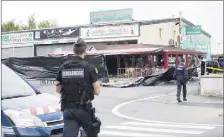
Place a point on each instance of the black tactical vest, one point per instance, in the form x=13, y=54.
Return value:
x=180, y=70
x=74, y=83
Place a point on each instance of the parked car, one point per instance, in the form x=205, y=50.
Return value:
x=26, y=112
x=221, y=61
x=213, y=66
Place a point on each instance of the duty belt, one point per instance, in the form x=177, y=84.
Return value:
x=74, y=105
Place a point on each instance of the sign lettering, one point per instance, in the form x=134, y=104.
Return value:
x=57, y=33
x=17, y=38
x=111, y=16
x=73, y=73
x=110, y=31
x=191, y=30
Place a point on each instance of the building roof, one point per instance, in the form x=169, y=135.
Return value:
x=141, y=22
x=174, y=49
x=136, y=47
x=126, y=51
x=124, y=46
x=130, y=49
x=149, y=22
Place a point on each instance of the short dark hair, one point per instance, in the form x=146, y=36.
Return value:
x=79, y=47
x=182, y=60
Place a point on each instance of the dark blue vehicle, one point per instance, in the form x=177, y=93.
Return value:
x=25, y=111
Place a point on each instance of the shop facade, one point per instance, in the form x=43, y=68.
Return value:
x=172, y=31
x=146, y=58
x=17, y=44
x=48, y=41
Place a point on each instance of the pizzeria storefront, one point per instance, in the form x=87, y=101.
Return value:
x=142, y=57
x=148, y=58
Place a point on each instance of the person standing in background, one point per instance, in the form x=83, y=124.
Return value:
x=181, y=75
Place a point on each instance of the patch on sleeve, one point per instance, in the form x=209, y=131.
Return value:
x=96, y=70
x=73, y=73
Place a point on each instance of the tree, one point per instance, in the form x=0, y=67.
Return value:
x=23, y=27
x=46, y=24
x=10, y=26
x=31, y=24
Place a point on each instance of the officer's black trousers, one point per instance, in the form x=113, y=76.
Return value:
x=74, y=119
x=179, y=85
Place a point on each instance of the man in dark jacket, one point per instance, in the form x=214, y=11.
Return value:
x=77, y=82
x=181, y=75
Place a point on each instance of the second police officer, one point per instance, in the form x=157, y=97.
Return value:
x=181, y=76
x=77, y=82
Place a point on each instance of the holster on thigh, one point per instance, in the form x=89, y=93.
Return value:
x=95, y=128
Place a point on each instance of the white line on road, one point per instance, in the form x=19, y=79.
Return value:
x=130, y=134
x=116, y=112
x=166, y=125
x=154, y=129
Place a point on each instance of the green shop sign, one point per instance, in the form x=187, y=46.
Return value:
x=17, y=38
x=191, y=30
x=111, y=16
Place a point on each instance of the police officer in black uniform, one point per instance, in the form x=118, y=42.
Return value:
x=77, y=82
x=181, y=75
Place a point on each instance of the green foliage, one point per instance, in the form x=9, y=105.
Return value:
x=46, y=24
x=10, y=26
x=31, y=24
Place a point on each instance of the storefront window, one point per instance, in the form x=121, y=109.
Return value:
x=136, y=61
x=156, y=60
x=171, y=60
x=193, y=61
x=184, y=57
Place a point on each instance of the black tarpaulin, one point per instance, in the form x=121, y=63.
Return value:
x=151, y=80
x=47, y=67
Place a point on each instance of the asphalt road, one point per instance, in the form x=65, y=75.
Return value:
x=154, y=112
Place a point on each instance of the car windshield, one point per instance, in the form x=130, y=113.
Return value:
x=13, y=85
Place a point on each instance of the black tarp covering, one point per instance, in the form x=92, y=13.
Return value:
x=164, y=75
x=46, y=67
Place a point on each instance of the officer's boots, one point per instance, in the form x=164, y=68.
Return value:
x=184, y=97
x=179, y=101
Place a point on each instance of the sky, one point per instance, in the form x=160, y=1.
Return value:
x=208, y=14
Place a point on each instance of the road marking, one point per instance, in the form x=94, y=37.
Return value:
x=167, y=125
x=135, y=129
x=116, y=112
x=130, y=134
x=154, y=130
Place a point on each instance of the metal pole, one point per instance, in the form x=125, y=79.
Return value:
x=13, y=51
x=180, y=28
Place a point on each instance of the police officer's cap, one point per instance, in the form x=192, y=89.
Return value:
x=79, y=42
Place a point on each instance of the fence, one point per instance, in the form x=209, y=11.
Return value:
x=41, y=81
x=48, y=81
x=133, y=72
